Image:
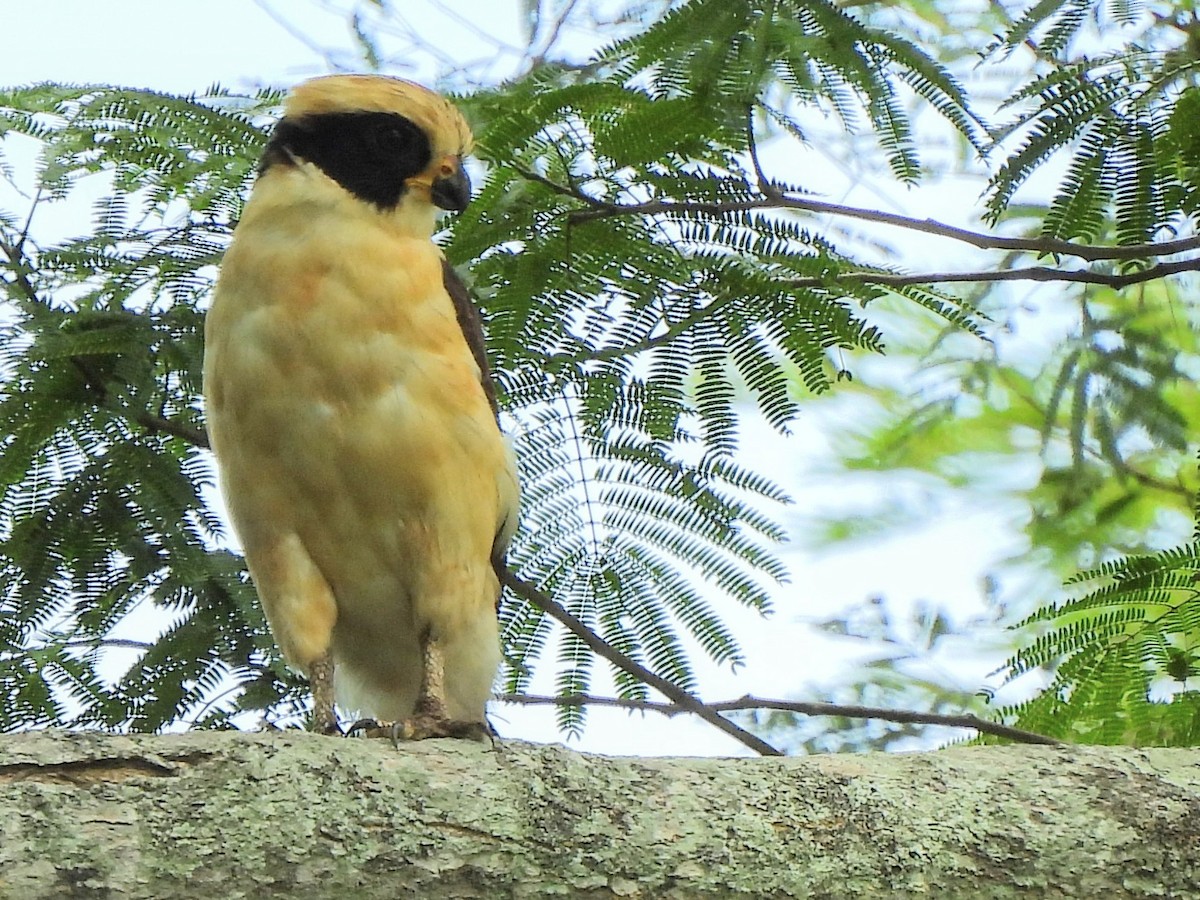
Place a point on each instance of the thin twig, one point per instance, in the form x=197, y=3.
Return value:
x=536, y=59
x=19, y=266
x=474, y=26
x=297, y=34
x=773, y=198
x=682, y=698
x=1032, y=273
x=808, y=709
x=1050, y=246
x=108, y=643
x=194, y=436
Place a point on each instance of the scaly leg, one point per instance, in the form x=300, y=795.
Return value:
x=431, y=717
x=320, y=677
x=431, y=701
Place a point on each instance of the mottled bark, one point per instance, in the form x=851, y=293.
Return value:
x=228, y=815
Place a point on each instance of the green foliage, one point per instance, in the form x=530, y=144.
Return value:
x=1123, y=115
x=102, y=510
x=1107, y=416
x=1095, y=441
x=632, y=305
x=1130, y=655
x=623, y=340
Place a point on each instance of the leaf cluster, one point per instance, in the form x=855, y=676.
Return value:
x=1125, y=117
x=1126, y=655
x=635, y=298
x=105, y=488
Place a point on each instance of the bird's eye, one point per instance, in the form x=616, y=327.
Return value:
x=388, y=136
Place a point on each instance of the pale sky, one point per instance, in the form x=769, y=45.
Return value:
x=186, y=47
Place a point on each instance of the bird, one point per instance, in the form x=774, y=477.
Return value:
x=353, y=415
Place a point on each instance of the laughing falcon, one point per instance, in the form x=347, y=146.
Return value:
x=352, y=413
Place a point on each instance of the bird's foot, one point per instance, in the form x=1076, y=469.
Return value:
x=419, y=727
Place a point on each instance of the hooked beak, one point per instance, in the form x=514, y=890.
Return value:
x=451, y=189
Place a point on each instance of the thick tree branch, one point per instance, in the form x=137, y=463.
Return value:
x=682, y=698
x=803, y=708
x=211, y=815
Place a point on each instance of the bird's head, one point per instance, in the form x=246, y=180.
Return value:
x=385, y=140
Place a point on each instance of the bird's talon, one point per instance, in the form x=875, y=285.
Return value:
x=418, y=728
x=363, y=727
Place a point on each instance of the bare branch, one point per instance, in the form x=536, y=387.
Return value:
x=807, y=709
x=472, y=26
x=111, y=643
x=551, y=32
x=297, y=34
x=682, y=698
x=773, y=198
x=194, y=436
x=1048, y=246
x=1032, y=273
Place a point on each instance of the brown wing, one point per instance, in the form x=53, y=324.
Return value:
x=472, y=329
